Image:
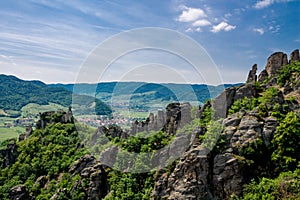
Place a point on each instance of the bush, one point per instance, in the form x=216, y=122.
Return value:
x=286, y=143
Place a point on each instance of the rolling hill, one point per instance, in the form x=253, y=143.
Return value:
x=16, y=93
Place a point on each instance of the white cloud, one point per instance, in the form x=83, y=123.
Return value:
x=191, y=14
x=259, y=30
x=223, y=26
x=198, y=29
x=265, y=3
x=201, y=22
x=189, y=30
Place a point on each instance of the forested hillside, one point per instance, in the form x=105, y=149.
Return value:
x=16, y=93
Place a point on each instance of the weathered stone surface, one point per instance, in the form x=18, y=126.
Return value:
x=9, y=155
x=269, y=129
x=252, y=77
x=41, y=181
x=176, y=115
x=263, y=76
x=248, y=131
x=227, y=175
x=189, y=179
x=19, y=192
x=47, y=118
x=275, y=63
x=223, y=101
x=89, y=168
x=295, y=56
x=247, y=90
x=98, y=184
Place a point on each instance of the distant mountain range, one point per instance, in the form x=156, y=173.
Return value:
x=16, y=93
x=143, y=94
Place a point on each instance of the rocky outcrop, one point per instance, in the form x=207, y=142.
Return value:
x=54, y=117
x=27, y=133
x=295, y=56
x=189, y=180
x=252, y=77
x=275, y=63
x=176, y=115
x=9, y=155
x=19, y=192
x=202, y=174
x=224, y=101
x=263, y=76
x=90, y=169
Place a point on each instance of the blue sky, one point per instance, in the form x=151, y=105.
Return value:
x=49, y=40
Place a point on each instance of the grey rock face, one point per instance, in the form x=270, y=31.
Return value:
x=227, y=175
x=224, y=101
x=9, y=155
x=88, y=167
x=252, y=77
x=189, y=179
x=176, y=115
x=19, y=192
x=263, y=76
x=295, y=56
x=275, y=63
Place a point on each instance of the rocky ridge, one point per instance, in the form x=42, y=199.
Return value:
x=204, y=174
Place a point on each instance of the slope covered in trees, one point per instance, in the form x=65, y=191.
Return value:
x=16, y=93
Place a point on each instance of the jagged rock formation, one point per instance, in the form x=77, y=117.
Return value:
x=204, y=174
x=224, y=101
x=9, y=155
x=275, y=62
x=90, y=169
x=19, y=192
x=294, y=56
x=27, y=133
x=176, y=115
x=252, y=77
x=54, y=117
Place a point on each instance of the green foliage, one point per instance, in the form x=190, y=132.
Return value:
x=48, y=152
x=256, y=153
x=129, y=186
x=286, y=73
x=286, y=186
x=286, y=142
x=211, y=138
x=245, y=104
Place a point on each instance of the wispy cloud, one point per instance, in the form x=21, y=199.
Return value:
x=266, y=3
x=259, y=30
x=263, y=4
x=201, y=22
x=223, y=26
x=190, y=14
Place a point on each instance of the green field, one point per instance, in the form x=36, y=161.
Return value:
x=32, y=109
x=8, y=133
